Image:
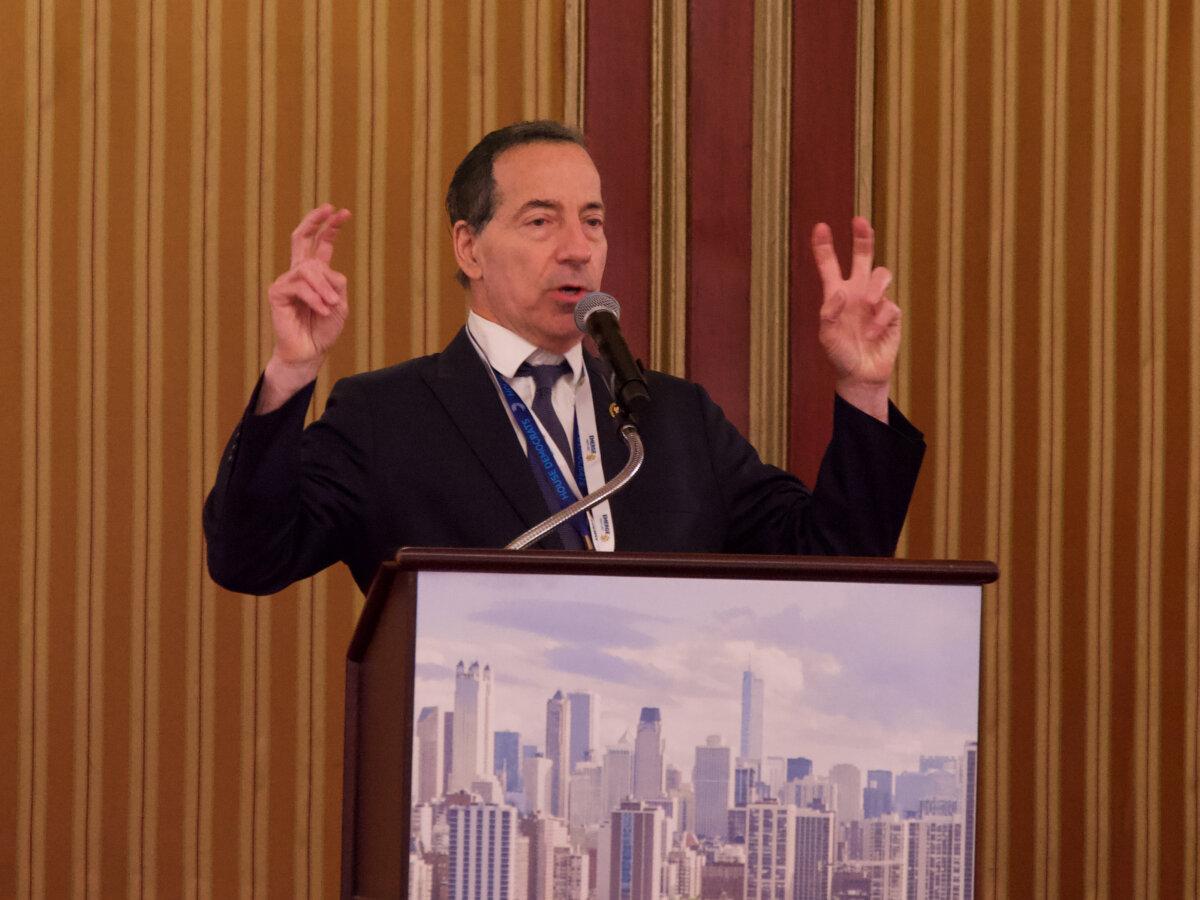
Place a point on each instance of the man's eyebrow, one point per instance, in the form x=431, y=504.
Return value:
x=538, y=204
x=555, y=206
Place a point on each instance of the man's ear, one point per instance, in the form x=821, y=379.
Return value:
x=463, y=237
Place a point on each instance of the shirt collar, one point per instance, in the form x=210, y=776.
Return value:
x=504, y=350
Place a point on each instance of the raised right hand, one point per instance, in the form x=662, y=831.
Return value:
x=308, y=308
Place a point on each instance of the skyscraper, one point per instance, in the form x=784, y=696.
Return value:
x=482, y=839
x=585, y=726
x=545, y=836
x=507, y=759
x=429, y=778
x=752, y=717
x=934, y=857
x=815, y=844
x=970, y=759
x=448, y=748
x=558, y=751
x=586, y=795
x=617, y=779
x=536, y=772
x=877, y=795
x=472, y=753
x=770, y=851
x=848, y=780
x=745, y=783
x=631, y=853
x=798, y=767
x=712, y=780
x=648, y=750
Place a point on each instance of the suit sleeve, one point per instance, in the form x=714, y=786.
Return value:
x=856, y=508
x=287, y=500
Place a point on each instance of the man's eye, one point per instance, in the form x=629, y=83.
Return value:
x=539, y=221
x=596, y=223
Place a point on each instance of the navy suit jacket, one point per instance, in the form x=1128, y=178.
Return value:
x=424, y=454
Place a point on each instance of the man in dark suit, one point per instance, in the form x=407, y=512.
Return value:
x=468, y=447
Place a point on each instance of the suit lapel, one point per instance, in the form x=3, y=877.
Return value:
x=463, y=386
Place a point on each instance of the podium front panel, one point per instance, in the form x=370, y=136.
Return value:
x=516, y=721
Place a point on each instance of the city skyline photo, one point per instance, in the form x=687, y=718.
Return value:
x=867, y=674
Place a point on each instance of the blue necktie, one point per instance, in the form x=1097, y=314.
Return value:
x=544, y=379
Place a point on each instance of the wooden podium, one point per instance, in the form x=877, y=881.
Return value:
x=381, y=663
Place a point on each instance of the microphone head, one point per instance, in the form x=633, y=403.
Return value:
x=592, y=303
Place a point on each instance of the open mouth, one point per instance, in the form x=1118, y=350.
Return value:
x=570, y=291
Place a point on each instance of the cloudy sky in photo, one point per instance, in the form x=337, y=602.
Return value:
x=873, y=675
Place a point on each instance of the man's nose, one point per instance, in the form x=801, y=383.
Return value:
x=574, y=245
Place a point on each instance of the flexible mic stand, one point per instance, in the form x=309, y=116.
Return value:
x=637, y=455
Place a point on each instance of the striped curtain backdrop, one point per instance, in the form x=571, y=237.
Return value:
x=1034, y=172
x=163, y=737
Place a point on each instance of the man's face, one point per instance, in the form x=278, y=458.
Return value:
x=543, y=249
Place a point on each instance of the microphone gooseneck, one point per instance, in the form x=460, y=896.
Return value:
x=597, y=314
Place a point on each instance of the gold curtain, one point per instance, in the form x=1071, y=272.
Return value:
x=165, y=738
x=1034, y=172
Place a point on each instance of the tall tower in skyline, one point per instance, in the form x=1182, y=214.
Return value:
x=558, y=751
x=751, y=746
x=648, y=750
x=472, y=732
x=585, y=726
x=712, y=781
x=428, y=777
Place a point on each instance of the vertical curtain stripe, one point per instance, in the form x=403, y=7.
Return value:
x=954, y=77
x=154, y=388
x=140, y=436
x=1191, y=600
x=433, y=181
x=1056, y=349
x=97, y=224
x=1153, y=283
x=944, y=377
x=1043, y=782
x=43, y=448
x=864, y=96
x=199, y=587
x=84, y=458
x=377, y=100
x=213, y=441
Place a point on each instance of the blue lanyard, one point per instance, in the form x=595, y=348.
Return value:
x=533, y=435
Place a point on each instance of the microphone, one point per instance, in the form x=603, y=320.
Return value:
x=597, y=315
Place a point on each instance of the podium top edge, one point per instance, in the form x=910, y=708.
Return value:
x=696, y=565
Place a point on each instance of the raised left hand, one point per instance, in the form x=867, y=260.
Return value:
x=860, y=326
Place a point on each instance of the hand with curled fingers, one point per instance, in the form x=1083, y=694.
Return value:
x=308, y=308
x=860, y=326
